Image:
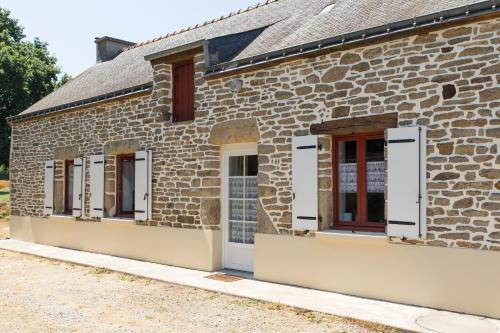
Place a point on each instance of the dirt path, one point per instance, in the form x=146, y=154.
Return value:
x=40, y=295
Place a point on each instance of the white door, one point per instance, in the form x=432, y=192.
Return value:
x=239, y=205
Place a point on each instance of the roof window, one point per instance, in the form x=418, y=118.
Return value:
x=327, y=8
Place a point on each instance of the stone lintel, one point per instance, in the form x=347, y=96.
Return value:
x=122, y=147
x=355, y=125
x=234, y=131
x=66, y=153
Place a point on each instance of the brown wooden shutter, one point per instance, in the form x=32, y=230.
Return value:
x=183, y=75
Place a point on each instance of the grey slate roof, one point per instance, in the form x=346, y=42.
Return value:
x=344, y=17
x=287, y=23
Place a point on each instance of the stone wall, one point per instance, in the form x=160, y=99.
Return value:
x=447, y=80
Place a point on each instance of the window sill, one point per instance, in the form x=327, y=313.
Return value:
x=331, y=235
x=118, y=220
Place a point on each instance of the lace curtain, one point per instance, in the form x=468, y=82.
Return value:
x=348, y=175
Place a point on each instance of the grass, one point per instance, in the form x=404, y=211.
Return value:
x=99, y=271
x=4, y=207
x=4, y=194
x=4, y=190
x=4, y=212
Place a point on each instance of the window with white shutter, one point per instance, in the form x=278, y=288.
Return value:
x=406, y=182
x=358, y=182
x=48, y=203
x=305, y=182
x=78, y=187
x=97, y=186
x=143, y=185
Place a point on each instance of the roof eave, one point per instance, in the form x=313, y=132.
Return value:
x=325, y=45
x=84, y=102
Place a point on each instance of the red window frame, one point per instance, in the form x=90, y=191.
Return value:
x=361, y=223
x=119, y=188
x=183, y=91
x=67, y=164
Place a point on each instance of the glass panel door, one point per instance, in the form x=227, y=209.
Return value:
x=242, y=198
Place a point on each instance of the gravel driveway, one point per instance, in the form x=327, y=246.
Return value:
x=41, y=295
x=4, y=229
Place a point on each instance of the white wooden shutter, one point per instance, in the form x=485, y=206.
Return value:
x=305, y=182
x=406, y=182
x=97, y=186
x=143, y=185
x=78, y=187
x=48, y=202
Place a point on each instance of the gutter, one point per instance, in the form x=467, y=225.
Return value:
x=430, y=20
x=84, y=102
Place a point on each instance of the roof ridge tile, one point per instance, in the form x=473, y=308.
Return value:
x=182, y=30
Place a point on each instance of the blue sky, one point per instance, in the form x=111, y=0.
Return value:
x=69, y=26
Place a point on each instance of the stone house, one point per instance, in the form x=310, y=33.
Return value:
x=349, y=146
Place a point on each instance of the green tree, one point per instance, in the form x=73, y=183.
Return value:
x=28, y=72
x=65, y=77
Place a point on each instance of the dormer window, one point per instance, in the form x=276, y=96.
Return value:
x=183, y=91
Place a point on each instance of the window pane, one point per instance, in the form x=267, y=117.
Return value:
x=251, y=165
x=250, y=229
x=70, y=181
x=375, y=172
x=251, y=210
x=236, y=187
x=251, y=188
x=236, y=210
x=375, y=150
x=236, y=166
x=236, y=232
x=348, y=181
x=128, y=185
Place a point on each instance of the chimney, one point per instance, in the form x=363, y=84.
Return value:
x=107, y=48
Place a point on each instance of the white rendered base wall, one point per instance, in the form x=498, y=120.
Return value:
x=190, y=248
x=461, y=280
